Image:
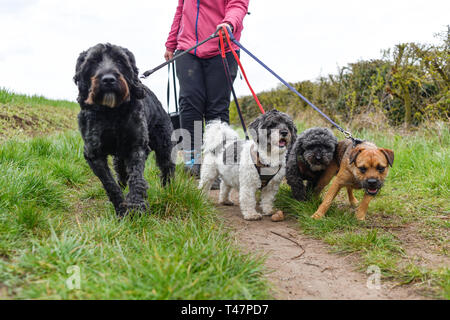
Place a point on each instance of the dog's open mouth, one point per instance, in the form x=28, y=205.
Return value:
x=283, y=143
x=372, y=192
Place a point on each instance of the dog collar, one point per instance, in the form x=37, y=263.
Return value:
x=265, y=178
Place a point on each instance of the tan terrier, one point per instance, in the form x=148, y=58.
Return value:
x=364, y=166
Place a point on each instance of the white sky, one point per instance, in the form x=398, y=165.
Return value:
x=300, y=40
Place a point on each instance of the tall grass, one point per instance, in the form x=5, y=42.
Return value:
x=416, y=193
x=54, y=215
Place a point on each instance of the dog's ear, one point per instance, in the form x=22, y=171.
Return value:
x=389, y=154
x=354, y=154
x=333, y=140
x=83, y=86
x=292, y=128
x=298, y=145
x=254, y=127
x=255, y=124
x=137, y=88
x=81, y=59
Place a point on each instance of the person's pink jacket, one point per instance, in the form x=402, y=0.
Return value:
x=196, y=20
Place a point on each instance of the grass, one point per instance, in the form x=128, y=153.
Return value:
x=54, y=215
x=414, y=204
x=24, y=116
x=9, y=97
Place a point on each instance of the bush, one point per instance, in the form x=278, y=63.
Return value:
x=410, y=84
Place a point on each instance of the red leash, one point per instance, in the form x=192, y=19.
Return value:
x=230, y=85
x=222, y=47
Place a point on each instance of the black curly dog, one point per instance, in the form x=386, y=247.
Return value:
x=307, y=160
x=123, y=118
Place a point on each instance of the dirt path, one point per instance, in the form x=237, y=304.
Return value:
x=317, y=274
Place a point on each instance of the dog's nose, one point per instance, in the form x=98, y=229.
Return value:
x=318, y=157
x=284, y=133
x=108, y=79
x=372, y=182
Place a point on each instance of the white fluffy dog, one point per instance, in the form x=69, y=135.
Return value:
x=248, y=165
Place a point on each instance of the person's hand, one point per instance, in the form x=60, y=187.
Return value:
x=168, y=55
x=226, y=25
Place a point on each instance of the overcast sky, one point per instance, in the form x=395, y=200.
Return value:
x=300, y=40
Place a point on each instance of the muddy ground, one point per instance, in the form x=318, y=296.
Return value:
x=303, y=268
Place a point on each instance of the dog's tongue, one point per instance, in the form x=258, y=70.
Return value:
x=373, y=190
x=282, y=143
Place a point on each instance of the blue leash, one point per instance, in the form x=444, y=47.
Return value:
x=347, y=134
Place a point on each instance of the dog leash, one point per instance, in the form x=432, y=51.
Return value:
x=147, y=73
x=225, y=31
x=230, y=83
x=347, y=134
x=230, y=37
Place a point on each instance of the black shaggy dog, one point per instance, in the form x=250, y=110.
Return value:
x=123, y=118
x=310, y=155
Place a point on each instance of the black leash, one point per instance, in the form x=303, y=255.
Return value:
x=149, y=72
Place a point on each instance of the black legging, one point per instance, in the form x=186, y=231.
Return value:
x=204, y=92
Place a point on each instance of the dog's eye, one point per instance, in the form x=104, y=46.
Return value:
x=363, y=170
x=381, y=169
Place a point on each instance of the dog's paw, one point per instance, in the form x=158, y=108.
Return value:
x=254, y=216
x=121, y=210
x=137, y=207
x=354, y=204
x=317, y=216
x=361, y=216
x=267, y=212
x=227, y=203
x=267, y=209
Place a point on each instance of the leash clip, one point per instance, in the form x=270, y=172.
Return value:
x=348, y=135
